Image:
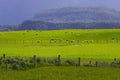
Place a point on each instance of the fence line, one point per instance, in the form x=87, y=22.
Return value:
x=36, y=61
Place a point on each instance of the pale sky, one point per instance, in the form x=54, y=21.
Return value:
x=16, y=11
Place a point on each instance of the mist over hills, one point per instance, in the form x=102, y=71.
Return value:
x=72, y=18
x=72, y=14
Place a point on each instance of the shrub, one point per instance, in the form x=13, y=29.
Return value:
x=31, y=60
x=11, y=60
x=30, y=65
x=23, y=65
x=38, y=60
x=88, y=65
x=0, y=62
x=115, y=64
x=52, y=61
x=69, y=62
x=15, y=66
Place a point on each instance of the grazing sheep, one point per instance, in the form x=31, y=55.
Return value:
x=70, y=41
x=88, y=41
x=55, y=40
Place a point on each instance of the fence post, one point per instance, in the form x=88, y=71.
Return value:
x=96, y=63
x=34, y=58
x=79, y=61
x=59, y=61
x=6, y=66
x=4, y=56
x=90, y=62
x=115, y=59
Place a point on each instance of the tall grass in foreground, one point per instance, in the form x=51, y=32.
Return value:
x=63, y=73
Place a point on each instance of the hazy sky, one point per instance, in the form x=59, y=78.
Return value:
x=16, y=11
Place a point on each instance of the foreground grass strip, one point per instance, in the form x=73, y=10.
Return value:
x=63, y=73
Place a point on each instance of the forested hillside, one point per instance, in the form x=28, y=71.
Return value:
x=70, y=18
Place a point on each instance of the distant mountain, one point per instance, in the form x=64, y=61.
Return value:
x=70, y=18
x=84, y=14
x=9, y=27
x=74, y=18
x=43, y=25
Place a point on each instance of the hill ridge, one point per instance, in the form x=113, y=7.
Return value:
x=73, y=14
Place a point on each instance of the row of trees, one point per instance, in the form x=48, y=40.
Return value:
x=41, y=25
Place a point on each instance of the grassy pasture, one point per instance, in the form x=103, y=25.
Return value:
x=92, y=34
x=102, y=51
x=63, y=73
x=103, y=43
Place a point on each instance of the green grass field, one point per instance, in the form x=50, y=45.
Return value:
x=102, y=44
x=63, y=73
